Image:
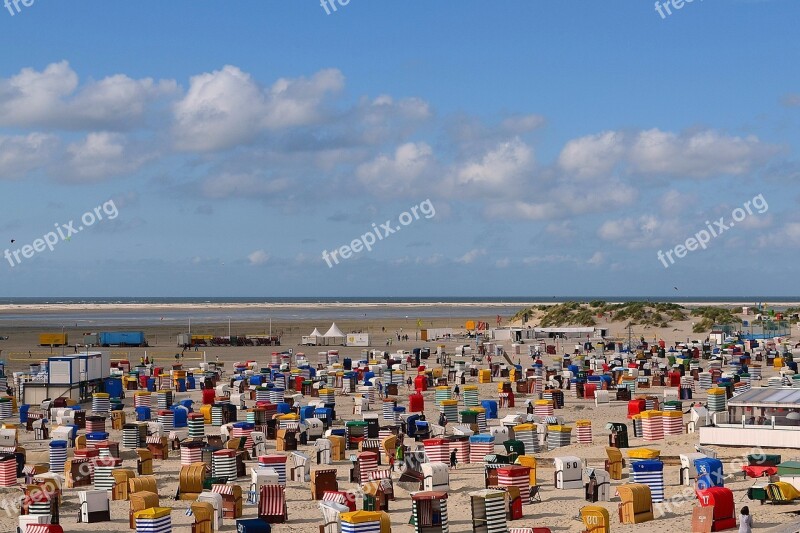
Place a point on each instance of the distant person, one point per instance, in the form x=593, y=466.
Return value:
x=408, y=383
x=456, y=392
x=454, y=460
x=745, y=520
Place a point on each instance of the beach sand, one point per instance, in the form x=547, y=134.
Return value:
x=558, y=509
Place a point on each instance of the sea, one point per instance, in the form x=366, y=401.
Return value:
x=139, y=311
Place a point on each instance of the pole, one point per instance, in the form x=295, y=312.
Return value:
x=229, y=329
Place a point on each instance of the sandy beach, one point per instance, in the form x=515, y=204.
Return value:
x=558, y=510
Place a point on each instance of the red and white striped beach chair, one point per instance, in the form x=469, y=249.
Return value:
x=272, y=504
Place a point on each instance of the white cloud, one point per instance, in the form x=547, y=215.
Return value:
x=592, y=156
x=228, y=107
x=696, y=155
x=20, y=155
x=52, y=98
x=471, y=256
x=597, y=259
x=99, y=156
x=259, y=257
x=399, y=173
x=503, y=166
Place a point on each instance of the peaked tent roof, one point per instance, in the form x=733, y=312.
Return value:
x=315, y=333
x=334, y=331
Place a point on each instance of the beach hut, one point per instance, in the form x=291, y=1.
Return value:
x=568, y=472
x=652, y=425
x=429, y=512
x=598, y=488
x=435, y=476
x=488, y=511
x=121, y=477
x=688, y=471
x=323, y=447
x=530, y=462
x=515, y=476
x=650, y=472
x=262, y=475
x=596, y=519
x=361, y=522
x=299, y=467
x=190, y=481
x=721, y=500
x=636, y=505
x=203, y=513
x=272, y=504
x=153, y=520
x=615, y=463
x=277, y=462
x=709, y=473
x=618, y=438
x=232, y=500
x=214, y=500
x=332, y=516
x=479, y=447
x=323, y=479
x=558, y=436
x=437, y=450
x=365, y=462
x=528, y=435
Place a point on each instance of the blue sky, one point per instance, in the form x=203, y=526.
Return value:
x=562, y=144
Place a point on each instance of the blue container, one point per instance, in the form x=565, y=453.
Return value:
x=283, y=408
x=255, y=380
x=122, y=338
x=151, y=384
x=190, y=383
x=23, y=413
x=97, y=435
x=491, y=408
x=113, y=387
x=252, y=525
x=142, y=414
x=181, y=384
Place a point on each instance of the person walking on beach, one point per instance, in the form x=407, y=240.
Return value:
x=408, y=383
x=745, y=520
x=456, y=392
x=453, y=459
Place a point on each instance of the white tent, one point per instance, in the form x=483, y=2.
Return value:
x=334, y=333
x=315, y=339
